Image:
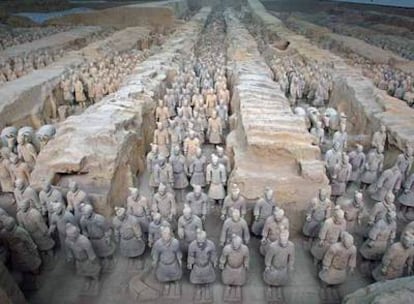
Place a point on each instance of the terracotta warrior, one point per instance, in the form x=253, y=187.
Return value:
x=390, y=180
x=32, y=221
x=234, y=263
x=19, y=169
x=215, y=129
x=197, y=169
x=357, y=161
x=373, y=167
x=26, y=151
x=98, y=230
x=234, y=225
x=354, y=211
x=379, y=138
x=320, y=209
x=201, y=261
x=329, y=234
x=164, y=203
x=380, y=236
x=155, y=227
x=262, y=210
x=75, y=197
x=340, y=176
x=137, y=206
x=22, y=192
x=332, y=158
x=152, y=160
x=404, y=163
x=216, y=177
x=397, y=258
x=191, y=146
x=80, y=97
x=338, y=259
x=279, y=261
x=223, y=159
x=60, y=218
x=381, y=208
x=6, y=175
x=197, y=200
x=188, y=224
x=81, y=251
x=163, y=173
x=162, y=140
x=23, y=251
x=234, y=200
x=406, y=199
x=179, y=168
x=273, y=227
x=318, y=133
x=162, y=114
x=167, y=260
x=48, y=196
x=128, y=234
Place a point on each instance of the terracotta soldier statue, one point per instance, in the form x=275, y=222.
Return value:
x=320, y=209
x=406, y=200
x=164, y=203
x=23, y=191
x=60, y=218
x=155, y=227
x=163, y=173
x=75, y=197
x=390, y=180
x=81, y=251
x=23, y=251
x=137, y=206
x=354, y=211
x=179, y=169
x=357, y=161
x=341, y=137
x=381, y=208
x=201, y=261
x=262, y=210
x=329, y=234
x=26, y=151
x=167, y=260
x=162, y=140
x=197, y=169
x=32, y=221
x=234, y=225
x=223, y=159
x=188, y=224
x=6, y=175
x=318, y=133
x=98, y=230
x=234, y=263
x=79, y=92
x=404, y=162
x=197, y=200
x=162, y=114
x=279, y=263
x=48, y=196
x=152, y=160
x=19, y=169
x=128, y=234
x=234, y=200
x=191, y=146
x=379, y=138
x=397, y=258
x=380, y=236
x=338, y=259
x=175, y=133
x=273, y=227
x=373, y=167
x=223, y=113
x=67, y=89
x=211, y=102
x=340, y=176
x=215, y=129
x=216, y=177
x=332, y=158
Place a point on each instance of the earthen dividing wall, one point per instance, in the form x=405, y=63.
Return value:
x=104, y=147
x=366, y=106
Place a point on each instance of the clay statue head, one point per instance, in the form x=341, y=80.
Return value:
x=154, y=148
x=323, y=194
x=191, y=134
x=120, y=213
x=199, y=153
x=220, y=151
x=162, y=189
x=383, y=129
x=338, y=215
x=389, y=198
x=358, y=199
x=359, y=148
x=278, y=214
x=235, y=192
x=268, y=193
x=197, y=191
x=19, y=183
x=235, y=215
x=336, y=146
x=160, y=103
x=214, y=159
x=59, y=208
x=201, y=238
x=176, y=150
x=166, y=234
x=345, y=159
x=347, y=239
x=24, y=205
x=134, y=192
x=87, y=210
x=236, y=242
x=72, y=232
x=73, y=186
x=187, y=213
x=156, y=217
x=214, y=114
